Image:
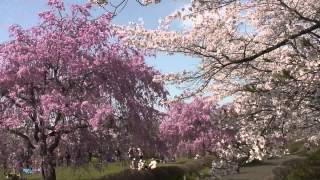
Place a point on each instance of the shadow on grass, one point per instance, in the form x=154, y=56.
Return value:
x=190, y=169
x=258, y=163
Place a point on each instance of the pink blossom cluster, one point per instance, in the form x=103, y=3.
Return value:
x=195, y=127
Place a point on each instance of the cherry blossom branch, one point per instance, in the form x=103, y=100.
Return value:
x=282, y=3
x=276, y=46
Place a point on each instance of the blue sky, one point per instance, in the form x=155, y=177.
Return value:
x=24, y=13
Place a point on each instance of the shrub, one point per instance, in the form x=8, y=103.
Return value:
x=160, y=173
x=172, y=172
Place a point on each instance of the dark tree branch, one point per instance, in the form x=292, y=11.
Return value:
x=276, y=46
x=23, y=136
x=297, y=13
x=55, y=143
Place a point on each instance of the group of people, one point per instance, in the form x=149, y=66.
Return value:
x=137, y=162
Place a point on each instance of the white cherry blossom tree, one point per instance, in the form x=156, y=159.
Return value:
x=264, y=53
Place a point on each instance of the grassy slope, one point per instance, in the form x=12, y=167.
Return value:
x=309, y=169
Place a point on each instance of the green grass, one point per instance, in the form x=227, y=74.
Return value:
x=309, y=169
x=81, y=173
x=296, y=147
x=192, y=168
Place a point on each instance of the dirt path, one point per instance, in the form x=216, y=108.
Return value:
x=259, y=172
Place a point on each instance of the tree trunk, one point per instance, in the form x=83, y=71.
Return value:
x=48, y=167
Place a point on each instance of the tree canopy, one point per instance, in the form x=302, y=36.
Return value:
x=263, y=53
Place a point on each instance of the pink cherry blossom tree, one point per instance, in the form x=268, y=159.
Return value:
x=195, y=127
x=70, y=72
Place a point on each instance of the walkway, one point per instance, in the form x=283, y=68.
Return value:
x=259, y=172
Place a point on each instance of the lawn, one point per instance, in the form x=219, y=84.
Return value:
x=91, y=171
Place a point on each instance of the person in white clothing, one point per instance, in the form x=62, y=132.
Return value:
x=197, y=156
x=133, y=164
x=153, y=164
x=141, y=165
x=140, y=153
